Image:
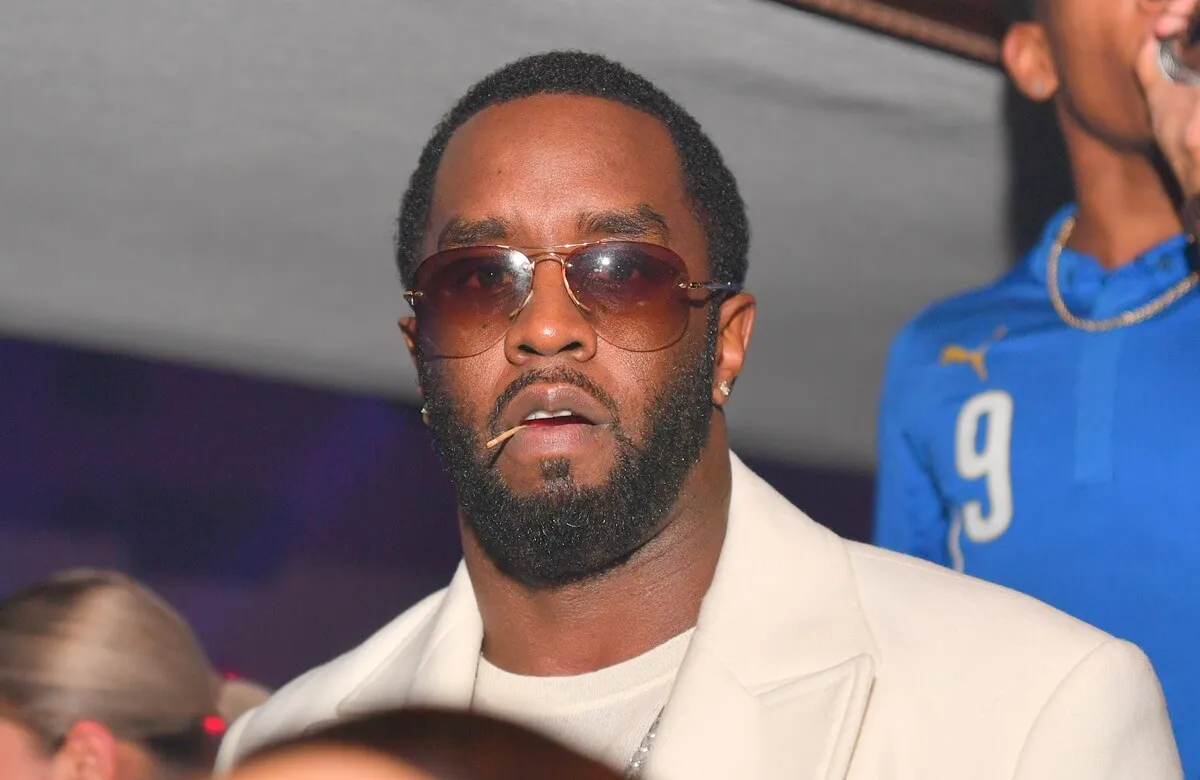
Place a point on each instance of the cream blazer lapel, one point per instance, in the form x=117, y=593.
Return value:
x=777, y=678
x=437, y=663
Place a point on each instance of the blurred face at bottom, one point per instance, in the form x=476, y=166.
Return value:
x=327, y=763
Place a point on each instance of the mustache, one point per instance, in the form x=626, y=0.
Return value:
x=559, y=376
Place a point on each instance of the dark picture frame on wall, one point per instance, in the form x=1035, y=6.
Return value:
x=967, y=28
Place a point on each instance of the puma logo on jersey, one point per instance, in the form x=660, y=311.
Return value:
x=975, y=358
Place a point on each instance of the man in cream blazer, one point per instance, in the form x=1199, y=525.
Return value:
x=574, y=249
x=815, y=657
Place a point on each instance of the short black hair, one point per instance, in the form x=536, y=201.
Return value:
x=708, y=182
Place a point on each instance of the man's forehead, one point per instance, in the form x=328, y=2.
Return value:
x=565, y=130
x=565, y=164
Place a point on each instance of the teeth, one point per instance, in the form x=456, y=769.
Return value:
x=543, y=415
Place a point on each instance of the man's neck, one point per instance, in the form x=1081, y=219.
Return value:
x=628, y=611
x=1124, y=207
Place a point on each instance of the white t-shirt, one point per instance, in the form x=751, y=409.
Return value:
x=603, y=714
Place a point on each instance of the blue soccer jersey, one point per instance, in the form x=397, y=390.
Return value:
x=1060, y=463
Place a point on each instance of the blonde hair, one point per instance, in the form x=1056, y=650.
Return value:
x=238, y=697
x=96, y=645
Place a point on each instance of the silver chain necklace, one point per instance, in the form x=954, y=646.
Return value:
x=1131, y=317
x=638, y=760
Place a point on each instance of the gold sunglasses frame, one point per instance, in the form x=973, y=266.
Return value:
x=559, y=254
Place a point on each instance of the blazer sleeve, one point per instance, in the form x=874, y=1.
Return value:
x=908, y=507
x=1107, y=720
x=229, y=752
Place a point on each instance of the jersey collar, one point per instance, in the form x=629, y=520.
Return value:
x=1080, y=275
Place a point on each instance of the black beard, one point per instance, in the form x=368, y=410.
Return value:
x=564, y=533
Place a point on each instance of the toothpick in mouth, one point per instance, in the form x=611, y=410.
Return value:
x=511, y=432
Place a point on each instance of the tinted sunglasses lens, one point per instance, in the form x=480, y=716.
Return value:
x=467, y=297
x=630, y=293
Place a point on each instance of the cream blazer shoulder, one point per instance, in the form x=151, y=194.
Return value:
x=814, y=657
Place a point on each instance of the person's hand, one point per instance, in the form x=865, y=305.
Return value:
x=1174, y=108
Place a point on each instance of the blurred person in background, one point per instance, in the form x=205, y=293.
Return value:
x=1043, y=432
x=443, y=744
x=574, y=248
x=100, y=679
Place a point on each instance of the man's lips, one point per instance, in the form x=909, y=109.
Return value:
x=562, y=419
x=547, y=405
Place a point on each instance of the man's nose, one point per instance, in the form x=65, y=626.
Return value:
x=550, y=324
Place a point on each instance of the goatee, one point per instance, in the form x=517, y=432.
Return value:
x=565, y=533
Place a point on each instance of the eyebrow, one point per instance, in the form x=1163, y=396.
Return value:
x=472, y=232
x=640, y=222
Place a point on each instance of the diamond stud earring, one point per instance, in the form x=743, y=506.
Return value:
x=724, y=387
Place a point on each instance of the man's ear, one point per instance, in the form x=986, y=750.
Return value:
x=733, y=341
x=88, y=753
x=1029, y=60
x=408, y=326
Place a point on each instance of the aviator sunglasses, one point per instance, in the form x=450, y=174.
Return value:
x=635, y=295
